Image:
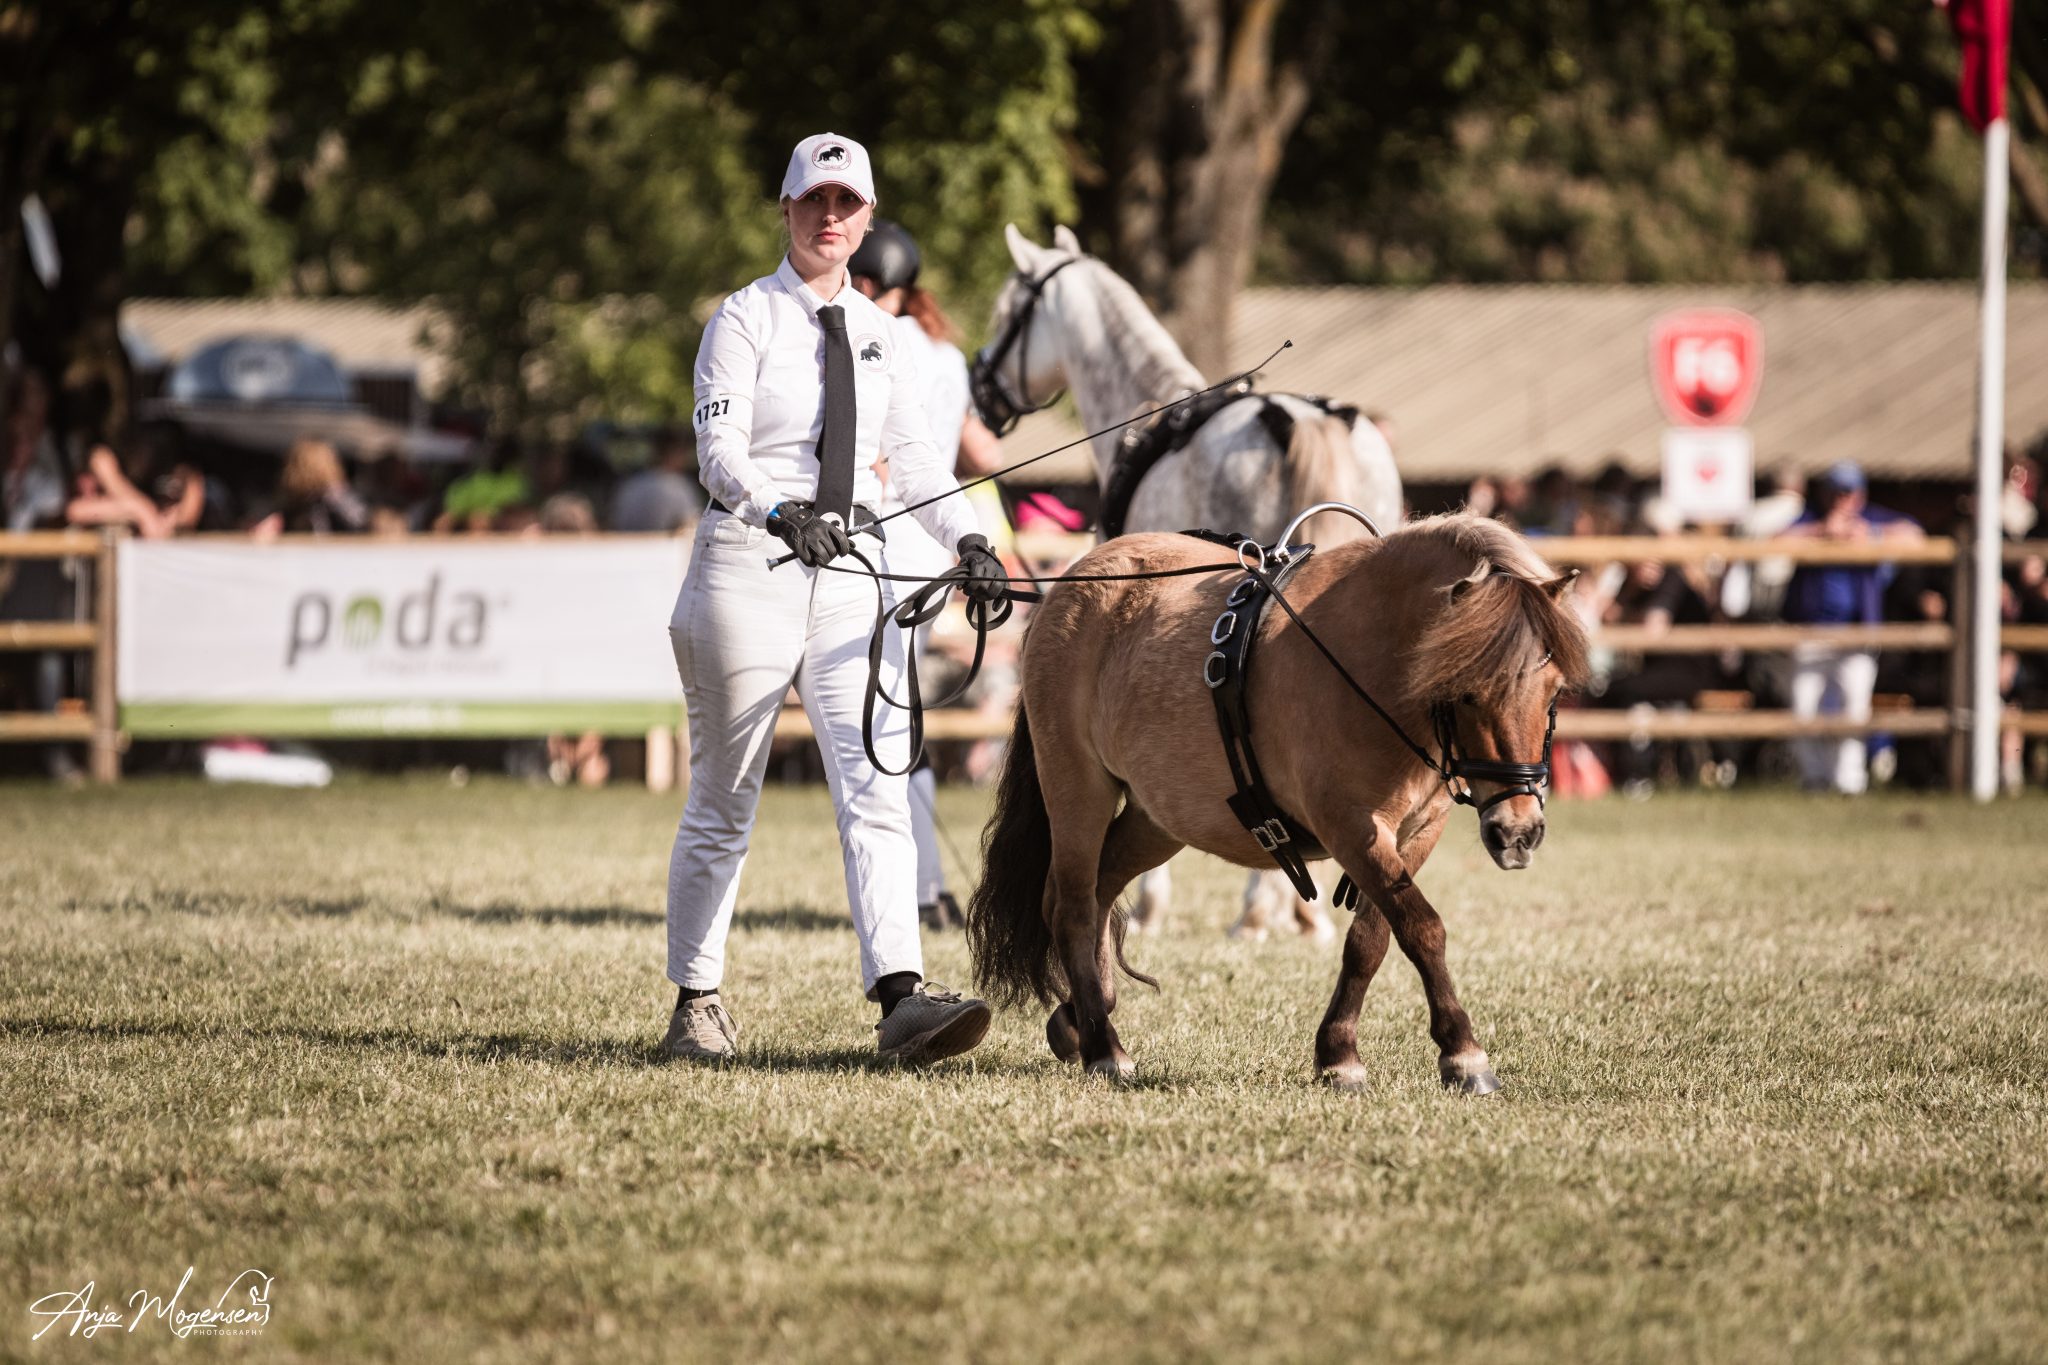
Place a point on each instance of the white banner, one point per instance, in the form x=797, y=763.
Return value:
x=442, y=636
x=1709, y=473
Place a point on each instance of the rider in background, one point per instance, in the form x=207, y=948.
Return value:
x=885, y=268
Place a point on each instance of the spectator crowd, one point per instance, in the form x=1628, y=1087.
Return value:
x=156, y=489
x=1654, y=593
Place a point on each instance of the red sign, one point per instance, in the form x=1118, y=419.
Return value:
x=1706, y=365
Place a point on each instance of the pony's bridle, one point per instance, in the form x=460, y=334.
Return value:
x=1460, y=772
x=998, y=411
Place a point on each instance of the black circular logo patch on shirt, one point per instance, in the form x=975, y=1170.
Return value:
x=868, y=350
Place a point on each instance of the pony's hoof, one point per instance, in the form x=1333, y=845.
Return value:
x=1116, y=1069
x=1062, y=1036
x=1347, y=1079
x=1468, y=1076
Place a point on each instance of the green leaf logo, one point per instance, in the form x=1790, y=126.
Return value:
x=362, y=622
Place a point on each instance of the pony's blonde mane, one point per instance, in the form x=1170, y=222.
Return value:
x=1500, y=614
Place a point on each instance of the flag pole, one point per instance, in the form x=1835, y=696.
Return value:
x=1985, y=710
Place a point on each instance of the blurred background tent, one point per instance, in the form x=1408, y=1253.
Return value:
x=258, y=391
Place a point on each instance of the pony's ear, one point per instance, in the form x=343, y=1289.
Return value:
x=1559, y=586
x=1023, y=250
x=1464, y=585
x=1063, y=237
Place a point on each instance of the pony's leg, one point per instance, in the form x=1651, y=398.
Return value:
x=1383, y=875
x=1365, y=946
x=1133, y=846
x=1087, y=811
x=1256, y=913
x=1269, y=898
x=1155, y=893
x=1309, y=919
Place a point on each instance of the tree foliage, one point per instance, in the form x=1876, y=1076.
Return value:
x=576, y=182
x=1635, y=141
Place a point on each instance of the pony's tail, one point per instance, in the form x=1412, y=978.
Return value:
x=1322, y=466
x=1007, y=933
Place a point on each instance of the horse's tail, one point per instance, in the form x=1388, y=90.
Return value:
x=1323, y=465
x=1007, y=933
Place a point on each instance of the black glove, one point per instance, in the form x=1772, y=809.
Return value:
x=982, y=576
x=813, y=539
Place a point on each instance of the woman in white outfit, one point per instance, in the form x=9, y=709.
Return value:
x=885, y=268
x=801, y=386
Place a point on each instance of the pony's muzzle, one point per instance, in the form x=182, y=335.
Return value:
x=1511, y=836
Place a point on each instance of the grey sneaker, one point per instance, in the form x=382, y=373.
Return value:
x=932, y=1024
x=701, y=1031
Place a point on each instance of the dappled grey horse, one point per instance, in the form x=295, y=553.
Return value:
x=1247, y=462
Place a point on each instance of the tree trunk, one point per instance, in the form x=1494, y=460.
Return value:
x=1200, y=113
x=2029, y=91
x=94, y=382
x=27, y=47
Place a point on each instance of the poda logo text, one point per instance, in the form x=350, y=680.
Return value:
x=413, y=622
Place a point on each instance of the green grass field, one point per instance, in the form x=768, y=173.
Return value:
x=1774, y=1070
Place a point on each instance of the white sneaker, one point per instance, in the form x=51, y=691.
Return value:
x=931, y=1024
x=701, y=1031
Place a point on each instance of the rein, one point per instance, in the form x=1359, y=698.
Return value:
x=924, y=606
x=1455, y=771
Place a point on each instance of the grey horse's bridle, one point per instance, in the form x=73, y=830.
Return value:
x=998, y=411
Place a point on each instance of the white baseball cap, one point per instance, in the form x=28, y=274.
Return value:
x=828, y=159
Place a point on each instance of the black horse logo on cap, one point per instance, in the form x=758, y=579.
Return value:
x=831, y=154
x=872, y=351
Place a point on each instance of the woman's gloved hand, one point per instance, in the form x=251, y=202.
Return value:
x=983, y=579
x=813, y=539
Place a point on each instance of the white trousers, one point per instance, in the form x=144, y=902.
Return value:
x=1833, y=682
x=742, y=635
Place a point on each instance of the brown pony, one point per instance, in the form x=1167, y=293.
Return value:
x=1116, y=762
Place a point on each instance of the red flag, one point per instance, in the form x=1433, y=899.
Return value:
x=1984, y=27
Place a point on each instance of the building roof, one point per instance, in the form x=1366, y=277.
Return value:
x=1509, y=379
x=365, y=336
x=1478, y=379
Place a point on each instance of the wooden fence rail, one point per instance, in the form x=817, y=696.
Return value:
x=1741, y=722
x=98, y=726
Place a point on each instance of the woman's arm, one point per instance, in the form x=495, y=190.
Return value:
x=184, y=514
x=981, y=451
x=728, y=366
x=100, y=509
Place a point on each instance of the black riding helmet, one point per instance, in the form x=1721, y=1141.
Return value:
x=888, y=257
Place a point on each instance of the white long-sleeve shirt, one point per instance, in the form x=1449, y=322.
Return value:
x=942, y=379
x=760, y=382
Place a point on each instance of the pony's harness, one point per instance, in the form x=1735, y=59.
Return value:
x=1143, y=447
x=998, y=411
x=1225, y=671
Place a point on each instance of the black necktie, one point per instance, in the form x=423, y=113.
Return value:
x=835, y=440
